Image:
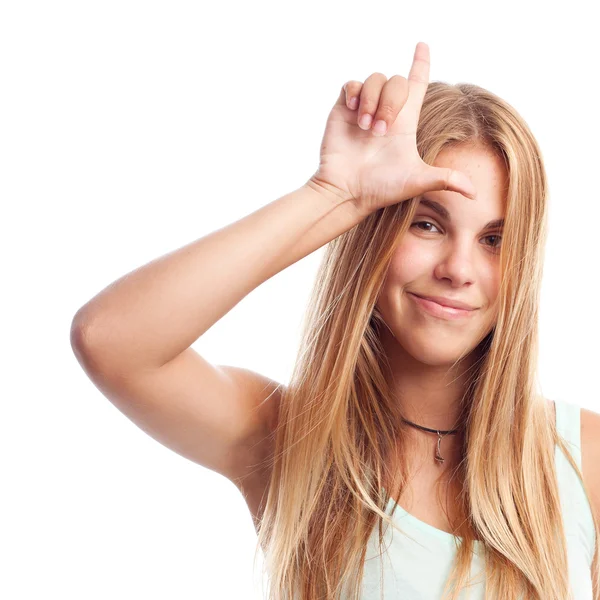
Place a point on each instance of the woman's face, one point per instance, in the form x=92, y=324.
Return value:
x=454, y=255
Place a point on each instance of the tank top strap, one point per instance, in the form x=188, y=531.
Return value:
x=577, y=512
x=568, y=425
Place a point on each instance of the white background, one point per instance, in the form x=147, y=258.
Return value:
x=129, y=129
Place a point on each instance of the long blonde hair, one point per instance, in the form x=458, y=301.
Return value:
x=338, y=421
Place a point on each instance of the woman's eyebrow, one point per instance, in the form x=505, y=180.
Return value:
x=443, y=212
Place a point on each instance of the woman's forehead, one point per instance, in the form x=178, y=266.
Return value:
x=453, y=212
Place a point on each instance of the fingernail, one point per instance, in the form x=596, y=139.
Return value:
x=379, y=128
x=365, y=121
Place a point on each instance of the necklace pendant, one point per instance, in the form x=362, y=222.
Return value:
x=438, y=456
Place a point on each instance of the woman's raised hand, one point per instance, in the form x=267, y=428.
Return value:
x=375, y=168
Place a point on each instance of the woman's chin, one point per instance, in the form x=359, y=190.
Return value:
x=439, y=355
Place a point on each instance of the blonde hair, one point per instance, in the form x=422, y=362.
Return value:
x=338, y=421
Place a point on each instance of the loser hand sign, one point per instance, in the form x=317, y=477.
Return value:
x=374, y=169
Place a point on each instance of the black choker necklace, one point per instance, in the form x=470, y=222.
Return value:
x=439, y=432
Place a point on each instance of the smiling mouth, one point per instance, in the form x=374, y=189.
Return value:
x=438, y=310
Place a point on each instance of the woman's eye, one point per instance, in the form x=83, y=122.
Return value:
x=494, y=246
x=497, y=245
x=424, y=223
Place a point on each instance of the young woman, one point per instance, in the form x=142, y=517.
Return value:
x=411, y=455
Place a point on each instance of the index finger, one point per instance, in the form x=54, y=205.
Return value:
x=418, y=80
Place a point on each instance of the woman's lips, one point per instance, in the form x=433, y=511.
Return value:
x=437, y=310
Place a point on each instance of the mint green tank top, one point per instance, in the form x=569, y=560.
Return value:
x=418, y=560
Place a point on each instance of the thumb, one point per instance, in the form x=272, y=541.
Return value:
x=441, y=178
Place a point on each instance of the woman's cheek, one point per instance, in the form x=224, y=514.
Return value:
x=410, y=261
